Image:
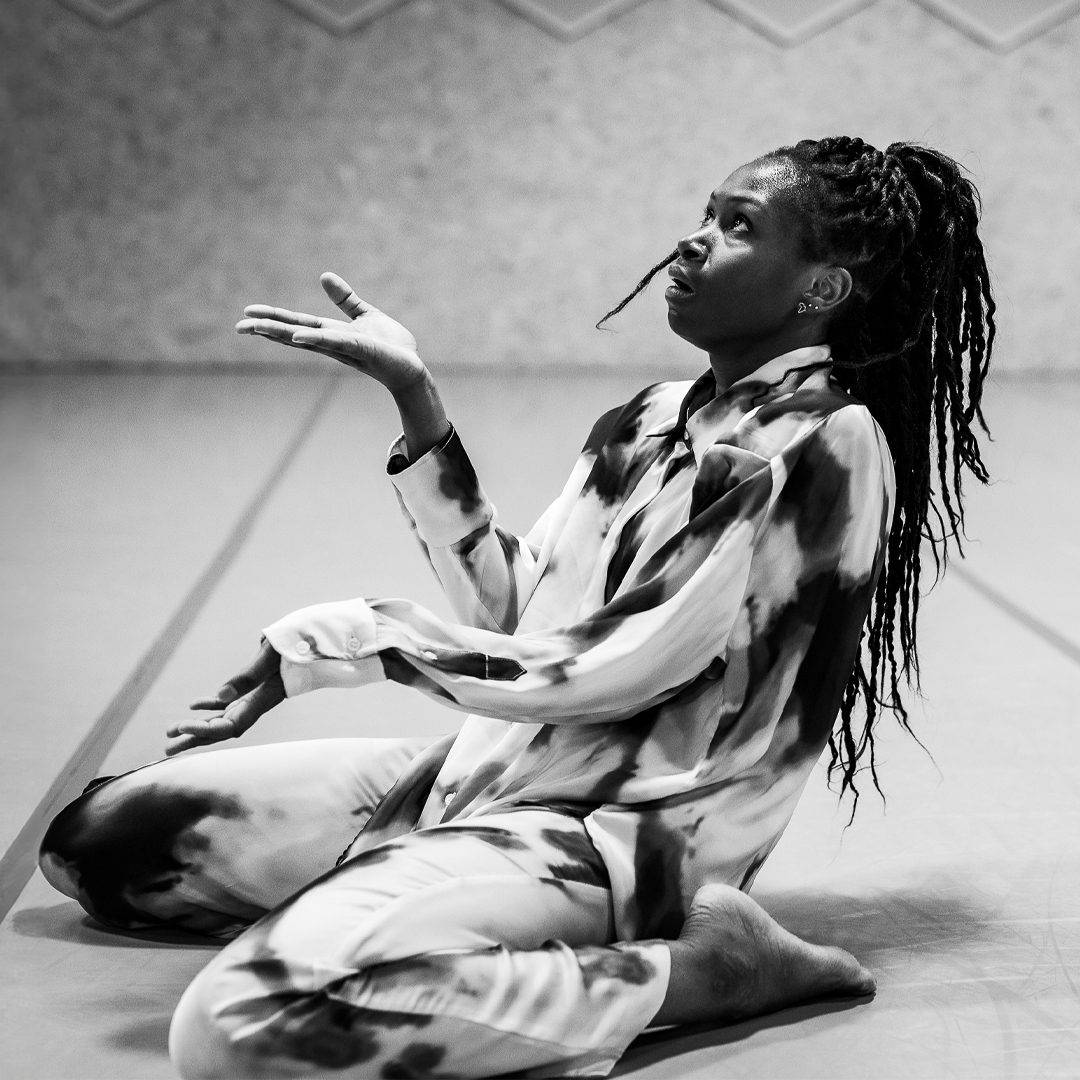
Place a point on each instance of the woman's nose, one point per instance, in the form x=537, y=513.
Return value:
x=691, y=247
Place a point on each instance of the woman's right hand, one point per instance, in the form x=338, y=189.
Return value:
x=370, y=341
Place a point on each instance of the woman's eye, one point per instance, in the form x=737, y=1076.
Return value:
x=739, y=221
x=706, y=216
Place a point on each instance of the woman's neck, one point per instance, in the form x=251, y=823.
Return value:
x=735, y=360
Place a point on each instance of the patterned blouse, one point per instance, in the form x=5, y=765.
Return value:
x=664, y=653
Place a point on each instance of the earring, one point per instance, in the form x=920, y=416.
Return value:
x=802, y=308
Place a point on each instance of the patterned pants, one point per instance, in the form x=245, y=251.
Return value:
x=472, y=949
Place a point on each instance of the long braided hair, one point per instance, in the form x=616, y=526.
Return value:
x=913, y=343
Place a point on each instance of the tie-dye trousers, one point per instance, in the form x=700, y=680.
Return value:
x=475, y=948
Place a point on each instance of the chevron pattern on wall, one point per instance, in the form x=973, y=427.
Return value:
x=569, y=20
x=998, y=25
x=790, y=22
x=1002, y=25
x=108, y=12
x=343, y=16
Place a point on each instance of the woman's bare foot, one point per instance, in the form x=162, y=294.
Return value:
x=733, y=960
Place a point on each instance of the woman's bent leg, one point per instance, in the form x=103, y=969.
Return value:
x=210, y=842
x=472, y=949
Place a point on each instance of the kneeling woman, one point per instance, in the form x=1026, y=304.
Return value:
x=652, y=671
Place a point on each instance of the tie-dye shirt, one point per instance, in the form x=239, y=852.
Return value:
x=664, y=653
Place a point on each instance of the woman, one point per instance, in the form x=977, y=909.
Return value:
x=652, y=672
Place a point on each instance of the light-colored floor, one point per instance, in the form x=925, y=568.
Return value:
x=117, y=492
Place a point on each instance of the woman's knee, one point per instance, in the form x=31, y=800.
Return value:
x=122, y=849
x=198, y=1047
x=251, y=1014
x=215, y=1037
x=72, y=845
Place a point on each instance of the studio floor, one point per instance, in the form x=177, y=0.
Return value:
x=151, y=524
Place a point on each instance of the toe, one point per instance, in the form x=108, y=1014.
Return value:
x=866, y=983
x=844, y=975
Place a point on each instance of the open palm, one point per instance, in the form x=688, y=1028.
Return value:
x=370, y=341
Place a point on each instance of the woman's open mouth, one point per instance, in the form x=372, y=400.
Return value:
x=678, y=289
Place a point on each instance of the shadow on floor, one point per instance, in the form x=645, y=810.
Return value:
x=937, y=918
x=68, y=922
x=655, y=1046
x=147, y=1035
x=926, y=917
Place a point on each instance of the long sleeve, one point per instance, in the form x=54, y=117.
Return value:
x=661, y=630
x=487, y=573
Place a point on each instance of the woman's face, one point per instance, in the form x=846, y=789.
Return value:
x=739, y=277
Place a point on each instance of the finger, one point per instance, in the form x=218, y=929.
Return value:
x=281, y=333
x=189, y=733
x=349, y=348
x=178, y=746
x=335, y=343
x=272, y=328
x=303, y=347
x=194, y=725
x=267, y=664
x=188, y=742
x=341, y=292
x=297, y=318
x=222, y=698
x=225, y=696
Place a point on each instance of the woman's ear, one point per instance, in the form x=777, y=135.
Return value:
x=830, y=288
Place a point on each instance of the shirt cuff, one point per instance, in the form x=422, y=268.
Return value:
x=327, y=645
x=440, y=491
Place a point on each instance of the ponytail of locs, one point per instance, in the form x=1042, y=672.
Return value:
x=913, y=343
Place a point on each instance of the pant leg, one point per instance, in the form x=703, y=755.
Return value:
x=473, y=949
x=210, y=842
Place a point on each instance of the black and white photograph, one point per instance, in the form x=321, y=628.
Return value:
x=539, y=538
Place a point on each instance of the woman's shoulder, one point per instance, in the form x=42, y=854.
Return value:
x=850, y=435
x=850, y=420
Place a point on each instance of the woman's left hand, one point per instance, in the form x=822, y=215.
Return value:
x=243, y=699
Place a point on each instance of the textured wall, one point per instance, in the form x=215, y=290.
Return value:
x=495, y=187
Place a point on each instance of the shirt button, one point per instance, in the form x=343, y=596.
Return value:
x=448, y=798
x=354, y=644
x=303, y=648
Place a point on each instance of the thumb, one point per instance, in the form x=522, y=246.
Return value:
x=341, y=292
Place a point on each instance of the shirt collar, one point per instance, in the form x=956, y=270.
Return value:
x=706, y=415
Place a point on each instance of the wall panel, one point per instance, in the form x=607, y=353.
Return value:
x=496, y=174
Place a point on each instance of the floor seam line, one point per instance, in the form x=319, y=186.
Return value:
x=19, y=861
x=1042, y=630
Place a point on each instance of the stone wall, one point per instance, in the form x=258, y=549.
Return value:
x=495, y=174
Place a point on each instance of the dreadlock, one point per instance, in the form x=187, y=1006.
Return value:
x=913, y=343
